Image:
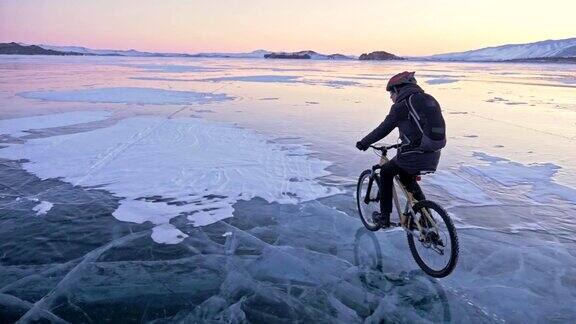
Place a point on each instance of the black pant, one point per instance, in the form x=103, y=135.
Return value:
x=387, y=174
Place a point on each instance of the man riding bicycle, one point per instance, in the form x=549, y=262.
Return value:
x=422, y=132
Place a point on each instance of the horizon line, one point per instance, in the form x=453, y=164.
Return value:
x=262, y=49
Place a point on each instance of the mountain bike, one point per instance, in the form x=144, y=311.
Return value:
x=430, y=231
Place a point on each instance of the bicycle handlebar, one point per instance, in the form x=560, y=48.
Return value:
x=385, y=148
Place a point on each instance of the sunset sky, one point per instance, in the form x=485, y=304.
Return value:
x=414, y=27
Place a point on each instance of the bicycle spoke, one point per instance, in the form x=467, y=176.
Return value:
x=433, y=244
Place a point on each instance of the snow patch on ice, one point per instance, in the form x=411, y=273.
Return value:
x=568, y=79
x=461, y=188
x=128, y=95
x=177, y=167
x=338, y=84
x=43, y=208
x=257, y=78
x=537, y=176
x=441, y=81
x=505, y=101
x=496, y=99
x=167, y=68
x=17, y=127
x=488, y=158
x=533, y=180
x=167, y=234
x=161, y=79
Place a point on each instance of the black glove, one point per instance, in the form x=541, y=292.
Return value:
x=361, y=146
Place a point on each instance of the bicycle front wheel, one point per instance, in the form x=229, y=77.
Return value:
x=368, y=200
x=435, y=248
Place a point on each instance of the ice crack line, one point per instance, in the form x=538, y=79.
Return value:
x=45, y=303
x=523, y=127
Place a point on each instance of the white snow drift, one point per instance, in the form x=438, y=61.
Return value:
x=182, y=166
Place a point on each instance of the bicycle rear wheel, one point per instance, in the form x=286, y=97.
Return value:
x=437, y=252
x=368, y=200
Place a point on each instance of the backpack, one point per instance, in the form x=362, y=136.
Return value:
x=431, y=124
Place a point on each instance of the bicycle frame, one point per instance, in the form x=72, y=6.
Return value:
x=410, y=201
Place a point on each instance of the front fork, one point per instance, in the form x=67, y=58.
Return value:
x=373, y=177
x=369, y=189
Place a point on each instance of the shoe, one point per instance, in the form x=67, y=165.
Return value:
x=383, y=221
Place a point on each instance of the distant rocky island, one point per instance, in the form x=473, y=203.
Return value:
x=254, y=54
x=306, y=55
x=379, y=56
x=282, y=55
x=17, y=49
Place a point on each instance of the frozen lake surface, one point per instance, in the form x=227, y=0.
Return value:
x=197, y=190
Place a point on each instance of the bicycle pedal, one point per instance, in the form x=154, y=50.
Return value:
x=385, y=226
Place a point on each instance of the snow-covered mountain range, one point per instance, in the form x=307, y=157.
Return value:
x=135, y=53
x=545, y=49
x=105, y=52
x=254, y=54
x=563, y=50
